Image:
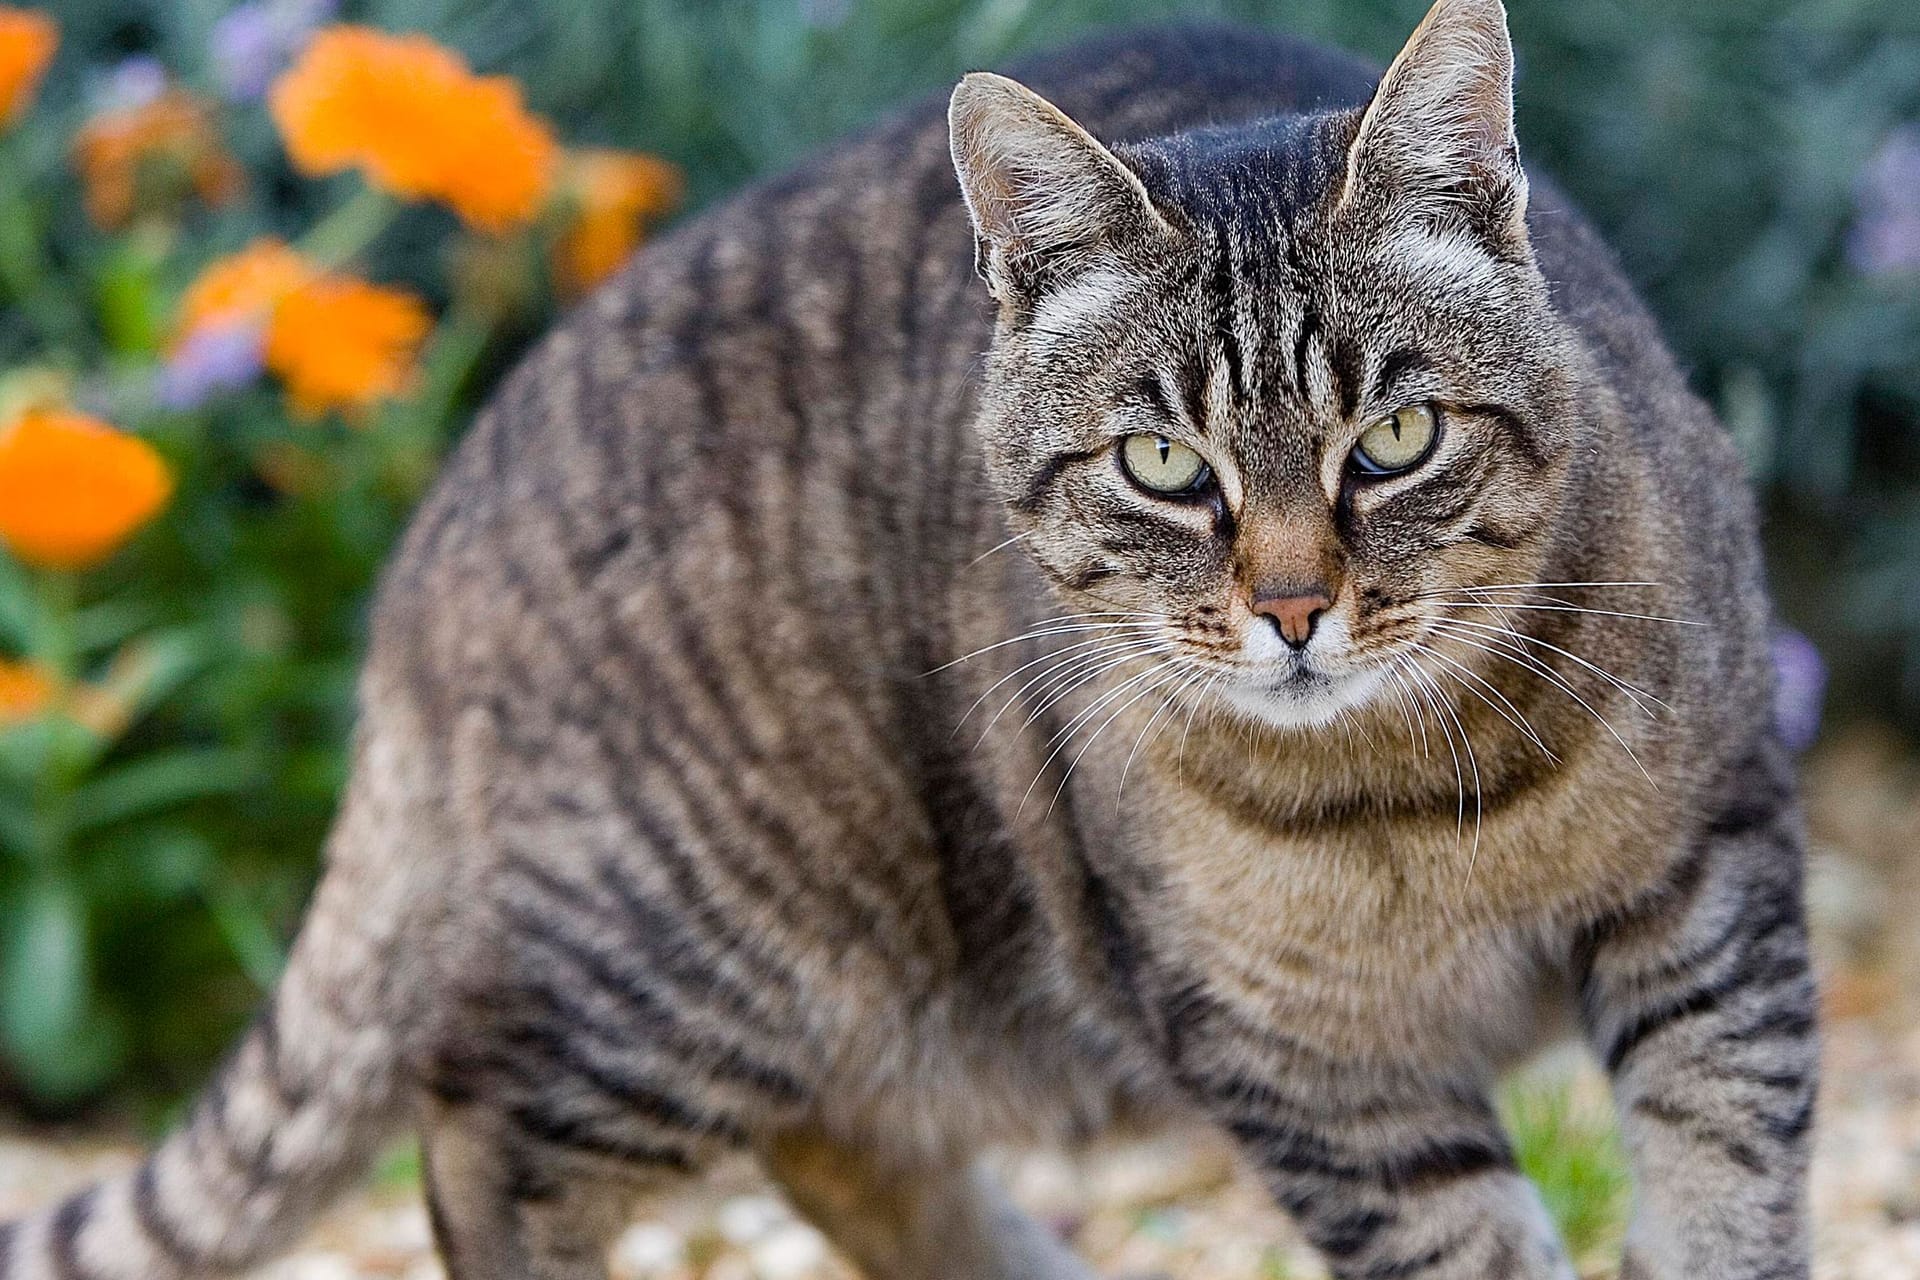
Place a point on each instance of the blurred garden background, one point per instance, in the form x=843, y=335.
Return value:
x=241, y=322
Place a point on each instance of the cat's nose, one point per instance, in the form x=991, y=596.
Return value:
x=1294, y=615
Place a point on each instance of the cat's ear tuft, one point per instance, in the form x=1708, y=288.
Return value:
x=1438, y=139
x=1044, y=195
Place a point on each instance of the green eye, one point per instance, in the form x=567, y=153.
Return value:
x=1397, y=441
x=1163, y=465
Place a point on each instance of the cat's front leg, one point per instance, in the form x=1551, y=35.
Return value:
x=1394, y=1175
x=1701, y=1004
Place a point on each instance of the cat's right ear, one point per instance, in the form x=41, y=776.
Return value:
x=1044, y=195
x=1437, y=139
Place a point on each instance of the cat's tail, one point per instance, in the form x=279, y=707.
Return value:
x=300, y=1109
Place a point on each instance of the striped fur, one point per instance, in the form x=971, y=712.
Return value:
x=698, y=807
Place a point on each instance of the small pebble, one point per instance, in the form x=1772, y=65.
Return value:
x=793, y=1251
x=648, y=1249
x=405, y=1228
x=313, y=1266
x=744, y=1219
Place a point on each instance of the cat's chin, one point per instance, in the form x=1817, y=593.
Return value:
x=1302, y=700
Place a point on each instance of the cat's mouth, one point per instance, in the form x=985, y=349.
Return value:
x=1296, y=693
x=1299, y=678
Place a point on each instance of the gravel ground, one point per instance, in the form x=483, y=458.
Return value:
x=1178, y=1207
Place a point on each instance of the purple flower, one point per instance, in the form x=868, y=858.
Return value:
x=1885, y=239
x=130, y=84
x=246, y=52
x=1800, y=686
x=212, y=360
x=253, y=43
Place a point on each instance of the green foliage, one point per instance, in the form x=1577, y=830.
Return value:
x=1567, y=1146
x=399, y=1169
x=146, y=891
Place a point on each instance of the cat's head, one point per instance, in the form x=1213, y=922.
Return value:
x=1267, y=391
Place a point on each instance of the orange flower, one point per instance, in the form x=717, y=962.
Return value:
x=26, y=690
x=72, y=488
x=613, y=193
x=27, y=41
x=418, y=123
x=244, y=287
x=152, y=156
x=334, y=341
x=345, y=344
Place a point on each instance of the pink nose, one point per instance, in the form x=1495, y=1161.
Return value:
x=1294, y=615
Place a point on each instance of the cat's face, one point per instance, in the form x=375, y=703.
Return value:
x=1265, y=397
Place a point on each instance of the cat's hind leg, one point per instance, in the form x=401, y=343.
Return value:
x=505, y=1206
x=916, y=1219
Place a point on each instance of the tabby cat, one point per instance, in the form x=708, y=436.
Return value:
x=1316, y=654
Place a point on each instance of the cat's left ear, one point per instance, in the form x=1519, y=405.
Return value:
x=1437, y=140
x=1044, y=195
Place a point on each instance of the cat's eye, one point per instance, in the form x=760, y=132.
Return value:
x=1163, y=465
x=1397, y=442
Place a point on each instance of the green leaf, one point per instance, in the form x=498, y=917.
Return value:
x=111, y=622
x=255, y=944
x=84, y=1064
x=45, y=747
x=160, y=781
x=17, y=832
x=128, y=296
x=142, y=675
x=161, y=662
x=27, y=749
x=23, y=620
x=144, y=865
x=163, y=861
x=43, y=973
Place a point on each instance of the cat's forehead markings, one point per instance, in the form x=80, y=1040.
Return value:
x=1162, y=390
x=1232, y=348
x=1315, y=369
x=1448, y=260
x=1220, y=397
x=1063, y=315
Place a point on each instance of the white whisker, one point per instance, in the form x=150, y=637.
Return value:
x=1177, y=673
x=1172, y=703
x=1061, y=739
x=1461, y=672
x=1528, y=586
x=1069, y=625
x=1180, y=766
x=1423, y=685
x=1053, y=655
x=1568, y=689
x=1640, y=696
x=1403, y=688
x=997, y=547
x=1049, y=697
x=1473, y=765
x=1569, y=608
x=1512, y=653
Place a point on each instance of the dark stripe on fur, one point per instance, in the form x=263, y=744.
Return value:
x=1049, y=474
x=64, y=1243
x=152, y=1216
